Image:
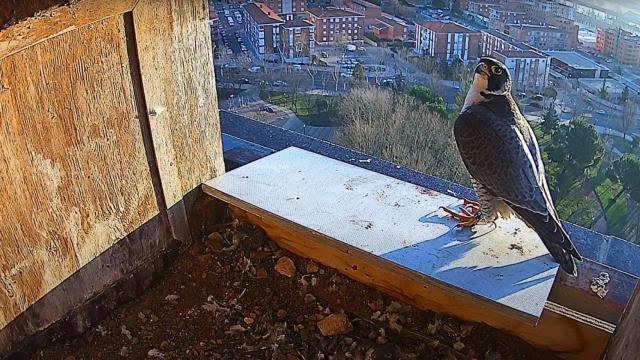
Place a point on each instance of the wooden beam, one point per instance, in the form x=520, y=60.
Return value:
x=625, y=343
x=52, y=22
x=579, y=337
x=173, y=43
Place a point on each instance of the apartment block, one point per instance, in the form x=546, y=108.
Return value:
x=274, y=38
x=529, y=69
x=480, y=10
x=333, y=25
x=262, y=25
x=370, y=11
x=388, y=27
x=296, y=40
x=445, y=40
x=287, y=7
x=546, y=37
x=619, y=44
x=493, y=40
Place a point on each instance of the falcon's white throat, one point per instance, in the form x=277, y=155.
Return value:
x=480, y=84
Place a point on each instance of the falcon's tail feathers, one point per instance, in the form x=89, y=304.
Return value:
x=554, y=238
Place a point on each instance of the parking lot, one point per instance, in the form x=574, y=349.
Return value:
x=230, y=29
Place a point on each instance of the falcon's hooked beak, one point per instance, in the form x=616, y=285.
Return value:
x=482, y=69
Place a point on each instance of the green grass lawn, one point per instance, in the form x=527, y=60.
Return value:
x=621, y=144
x=616, y=212
x=543, y=139
x=225, y=93
x=305, y=107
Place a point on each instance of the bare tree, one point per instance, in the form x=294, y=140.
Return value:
x=629, y=119
x=396, y=128
x=224, y=58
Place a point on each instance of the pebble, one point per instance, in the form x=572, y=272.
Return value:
x=248, y=321
x=309, y=298
x=281, y=313
x=312, y=267
x=335, y=324
x=286, y=267
x=261, y=273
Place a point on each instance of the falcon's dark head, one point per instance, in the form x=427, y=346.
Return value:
x=491, y=77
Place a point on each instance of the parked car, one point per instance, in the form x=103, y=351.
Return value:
x=297, y=67
x=601, y=112
x=324, y=55
x=267, y=109
x=279, y=83
x=254, y=69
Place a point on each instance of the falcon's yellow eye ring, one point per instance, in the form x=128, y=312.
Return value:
x=496, y=70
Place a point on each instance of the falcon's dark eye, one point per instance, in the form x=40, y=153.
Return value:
x=496, y=70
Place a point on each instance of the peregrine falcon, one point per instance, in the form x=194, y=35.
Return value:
x=501, y=152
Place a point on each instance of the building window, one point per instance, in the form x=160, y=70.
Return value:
x=324, y=38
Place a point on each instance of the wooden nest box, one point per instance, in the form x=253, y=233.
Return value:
x=109, y=126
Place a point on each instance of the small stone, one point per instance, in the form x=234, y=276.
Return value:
x=164, y=344
x=155, y=353
x=381, y=340
x=261, y=273
x=458, y=345
x=335, y=324
x=309, y=299
x=124, y=351
x=312, y=267
x=281, y=313
x=286, y=267
x=248, y=321
x=215, y=241
x=466, y=329
x=348, y=341
x=172, y=297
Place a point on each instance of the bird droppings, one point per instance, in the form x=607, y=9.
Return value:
x=222, y=309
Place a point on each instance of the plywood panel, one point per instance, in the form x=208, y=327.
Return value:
x=174, y=46
x=72, y=161
x=50, y=22
x=506, y=269
x=625, y=343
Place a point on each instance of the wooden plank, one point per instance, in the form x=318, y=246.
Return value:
x=400, y=225
x=72, y=161
x=174, y=47
x=12, y=11
x=570, y=336
x=625, y=343
x=55, y=21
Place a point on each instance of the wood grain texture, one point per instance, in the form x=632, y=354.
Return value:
x=625, y=343
x=72, y=161
x=176, y=63
x=12, y=11
x=566, y=336
x=50, y=22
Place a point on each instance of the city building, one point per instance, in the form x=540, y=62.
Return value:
x=573, y=65
x=370, y=11
x=287, y=7
x=499, y=18
x=296, y=40
x=273, y=38
x=619, y=44
x=480, y=10
x=333, y=25
x=529, y=69
x=446, y=40
x=388, y=27
x=262, y=26
x=546, y=37
x=493, y=40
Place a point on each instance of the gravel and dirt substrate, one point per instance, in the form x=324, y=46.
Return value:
x=236, y=295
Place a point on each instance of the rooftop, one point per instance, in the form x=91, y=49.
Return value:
x=446, y=27
x=297, y=23
x=262, y=14
x=576, y=60
x=332, y=12
x=521, y=54
x=391, y=20
x=365, y=4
